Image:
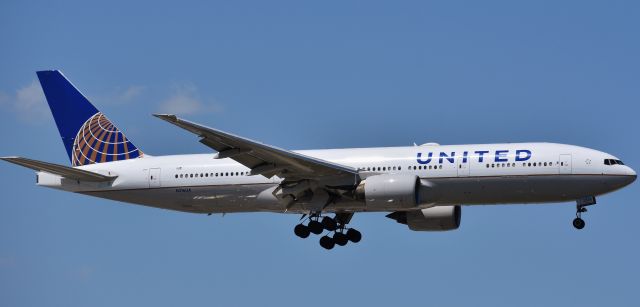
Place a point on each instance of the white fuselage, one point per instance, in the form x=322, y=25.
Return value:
x=449, y=175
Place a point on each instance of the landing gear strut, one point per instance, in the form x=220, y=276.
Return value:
x=318, y=224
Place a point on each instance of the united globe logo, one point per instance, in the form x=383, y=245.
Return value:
x=98, y=140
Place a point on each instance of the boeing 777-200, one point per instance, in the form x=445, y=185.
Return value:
x=423, y=186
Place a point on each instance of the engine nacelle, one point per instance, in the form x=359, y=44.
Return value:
x=432, y=219
x=390, y=190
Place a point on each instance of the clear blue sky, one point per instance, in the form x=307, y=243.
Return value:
x=321, y=74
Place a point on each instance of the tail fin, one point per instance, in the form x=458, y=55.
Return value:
x=87, y=134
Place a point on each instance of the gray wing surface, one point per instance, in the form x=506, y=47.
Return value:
x=265, y=159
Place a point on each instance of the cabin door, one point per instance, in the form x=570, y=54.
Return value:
x=565, y=164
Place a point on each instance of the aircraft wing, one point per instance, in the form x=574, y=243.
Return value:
x=265, y=159
x=64, y=171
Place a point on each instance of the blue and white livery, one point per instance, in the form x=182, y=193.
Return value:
x=423, y=187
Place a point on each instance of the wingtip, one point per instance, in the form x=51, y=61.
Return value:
x=167, y=117
x=7, y=158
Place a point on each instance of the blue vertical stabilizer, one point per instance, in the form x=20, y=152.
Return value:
x=88, y=136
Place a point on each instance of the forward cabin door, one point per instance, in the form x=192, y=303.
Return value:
x=565, y=164
x=154, y=177
x=463, y=167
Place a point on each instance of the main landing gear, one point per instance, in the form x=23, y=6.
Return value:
x=581, y=207
x=318, y=224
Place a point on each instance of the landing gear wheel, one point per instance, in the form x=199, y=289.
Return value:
x=329, y=223
x=578, y=223
x=301, y=231
x=315, y=227
x=354, y=235
x=340, y=238
x=327, y=242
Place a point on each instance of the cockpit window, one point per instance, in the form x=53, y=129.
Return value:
x=612, y=162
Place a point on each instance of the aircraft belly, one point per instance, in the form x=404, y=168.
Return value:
x=199, y=199
x=521, y=189
x=447, y=191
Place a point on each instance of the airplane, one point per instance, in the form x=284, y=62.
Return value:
x=423, y=187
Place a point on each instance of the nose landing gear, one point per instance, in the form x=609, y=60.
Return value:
x=581, y=207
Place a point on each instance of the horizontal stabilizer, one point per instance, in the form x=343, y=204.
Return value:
x=64, y=171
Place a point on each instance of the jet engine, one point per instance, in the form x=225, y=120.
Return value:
x=390, y=191
x=439, y=218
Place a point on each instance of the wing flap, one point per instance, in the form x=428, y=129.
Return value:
x=64, y=171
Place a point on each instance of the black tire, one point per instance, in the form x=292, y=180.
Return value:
x=327, y=242
x=315, y=227
x=329, y=223
x=301, y=231
x=578, y=223
x=354, y=235
x=340, y=239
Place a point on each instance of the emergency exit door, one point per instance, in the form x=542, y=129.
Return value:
x=462, y=166
x=154, y=177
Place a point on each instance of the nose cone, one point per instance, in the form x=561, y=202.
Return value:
x=630, y=174
x=633, y=174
